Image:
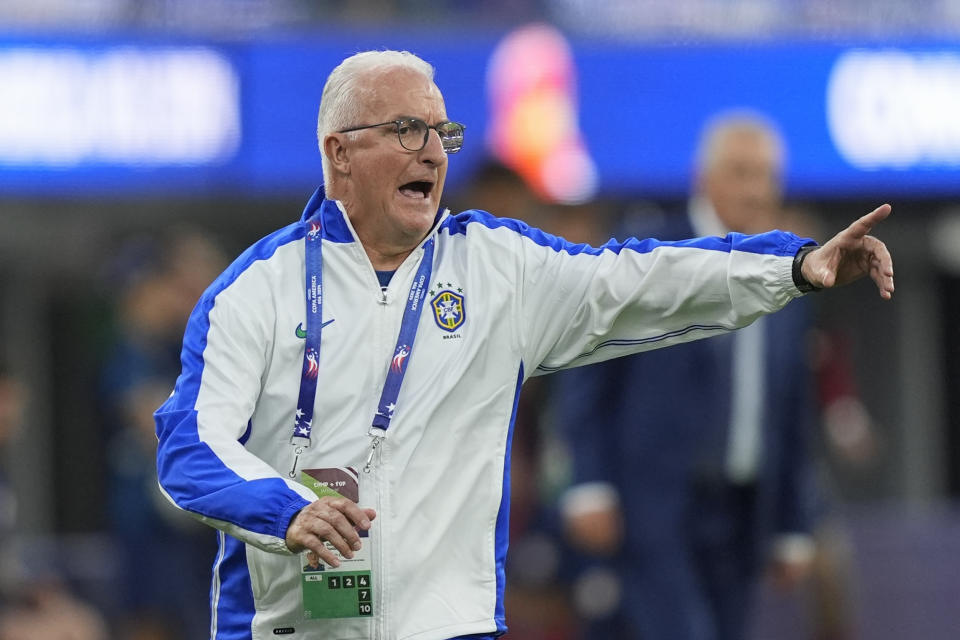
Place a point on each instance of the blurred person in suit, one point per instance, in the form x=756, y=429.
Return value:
x=690, y=466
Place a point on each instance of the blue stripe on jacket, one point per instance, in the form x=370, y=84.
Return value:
x=502, y=530
x=231, y=596
x=777, y=243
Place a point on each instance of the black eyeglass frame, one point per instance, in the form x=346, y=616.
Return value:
x=426, y=133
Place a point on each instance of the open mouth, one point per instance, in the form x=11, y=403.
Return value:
x=417, y=189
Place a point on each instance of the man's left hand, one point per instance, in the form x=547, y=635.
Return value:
x=852, y=254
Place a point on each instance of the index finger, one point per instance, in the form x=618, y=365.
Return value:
x=863, y=225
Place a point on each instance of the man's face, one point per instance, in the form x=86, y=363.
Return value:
x=743, y=182
x=395, y=193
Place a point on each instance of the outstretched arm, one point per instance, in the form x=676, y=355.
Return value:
x=852, y=254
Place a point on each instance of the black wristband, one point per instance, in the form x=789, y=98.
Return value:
x=804, y=285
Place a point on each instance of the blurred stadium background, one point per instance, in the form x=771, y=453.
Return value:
x=125, y=124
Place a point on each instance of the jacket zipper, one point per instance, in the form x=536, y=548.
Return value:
x=380, y=575
x=376, y=474
x=381, y=628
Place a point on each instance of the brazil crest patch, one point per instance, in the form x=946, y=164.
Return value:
x=448, y=310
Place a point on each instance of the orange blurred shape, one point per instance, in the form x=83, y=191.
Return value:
x=532, y=86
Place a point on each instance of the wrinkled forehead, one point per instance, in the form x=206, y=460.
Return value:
x=399, y=91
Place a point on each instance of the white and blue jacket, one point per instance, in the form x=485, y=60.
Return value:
x=530, y=303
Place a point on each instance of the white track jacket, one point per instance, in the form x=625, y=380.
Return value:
x=529, y=303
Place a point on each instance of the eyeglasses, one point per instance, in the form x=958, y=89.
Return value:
x=413, y=133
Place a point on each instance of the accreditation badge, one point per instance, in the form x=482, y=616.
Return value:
x=345, y=591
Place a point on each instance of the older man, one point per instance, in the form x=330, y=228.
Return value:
x=372, y=423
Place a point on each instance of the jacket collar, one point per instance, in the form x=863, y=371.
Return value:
x=333, y=219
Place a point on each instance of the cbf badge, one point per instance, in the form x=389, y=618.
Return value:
x=448, y=308
x=347, y=591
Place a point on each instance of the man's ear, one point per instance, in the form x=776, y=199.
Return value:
x=337, y=153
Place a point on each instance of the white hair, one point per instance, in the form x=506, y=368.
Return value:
x=737, y=121
x=344, y=94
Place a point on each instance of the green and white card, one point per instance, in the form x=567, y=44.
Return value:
x=347, y=591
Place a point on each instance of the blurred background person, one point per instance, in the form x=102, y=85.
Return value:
x=164, y=554
x=691, y=465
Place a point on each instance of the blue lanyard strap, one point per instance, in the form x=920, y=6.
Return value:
x=303, y=421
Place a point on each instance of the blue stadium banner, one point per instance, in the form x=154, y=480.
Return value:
x=91, y=117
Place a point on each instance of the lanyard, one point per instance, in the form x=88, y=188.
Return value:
x=303, y=421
